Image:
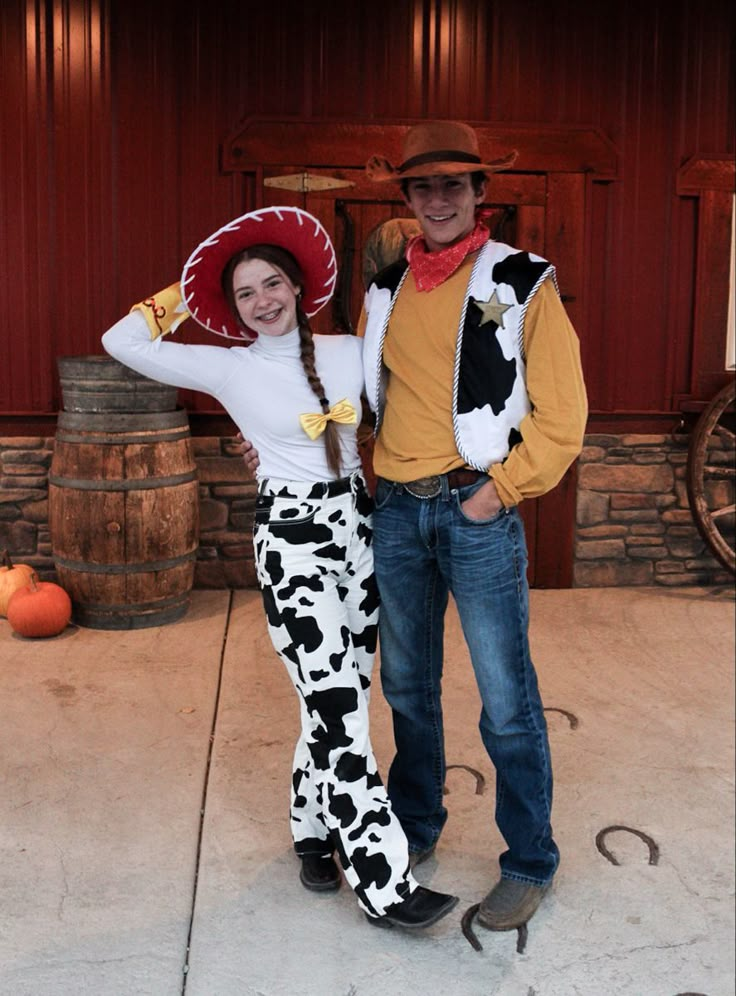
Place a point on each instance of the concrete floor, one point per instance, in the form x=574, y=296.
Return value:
x=144, y=845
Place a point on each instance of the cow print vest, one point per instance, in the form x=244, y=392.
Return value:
x=489, y=387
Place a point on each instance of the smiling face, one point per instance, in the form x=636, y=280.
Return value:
x=444, y=206
x=264, y=297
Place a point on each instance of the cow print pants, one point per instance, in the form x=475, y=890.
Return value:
x=314, y=563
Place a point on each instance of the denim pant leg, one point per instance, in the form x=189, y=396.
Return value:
x=411, y=627
x=487, y=563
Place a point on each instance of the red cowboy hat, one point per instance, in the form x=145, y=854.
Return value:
x=436, y=148
x=289, y=227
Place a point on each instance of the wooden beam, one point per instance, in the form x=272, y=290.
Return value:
x=706, y=172
x=330, y=144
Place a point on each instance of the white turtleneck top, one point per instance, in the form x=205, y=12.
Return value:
x=262, y=387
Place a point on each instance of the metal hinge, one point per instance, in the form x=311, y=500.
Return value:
x=305, y=183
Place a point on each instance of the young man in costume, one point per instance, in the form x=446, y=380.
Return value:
x=473, y=370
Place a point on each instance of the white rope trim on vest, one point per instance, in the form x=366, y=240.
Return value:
x=379, y=352
x=549, y=272
x=456, y=375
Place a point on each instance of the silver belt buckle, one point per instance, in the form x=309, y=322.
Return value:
x=424, y=487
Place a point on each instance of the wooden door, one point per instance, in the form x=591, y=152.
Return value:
x=517, y=208
x=541, y=208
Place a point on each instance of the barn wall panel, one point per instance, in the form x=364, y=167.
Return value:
x=112, y=116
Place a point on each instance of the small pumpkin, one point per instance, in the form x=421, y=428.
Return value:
x=12, y=577
x=41, y=608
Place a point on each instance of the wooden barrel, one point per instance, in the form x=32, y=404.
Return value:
x=102, y=384
x=124, y=516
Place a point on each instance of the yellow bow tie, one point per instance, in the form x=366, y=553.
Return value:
x=314, y=424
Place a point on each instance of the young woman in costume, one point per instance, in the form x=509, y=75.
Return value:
x=258, y=280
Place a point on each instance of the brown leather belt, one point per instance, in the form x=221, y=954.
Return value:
x=431, y=487
x=462, y=477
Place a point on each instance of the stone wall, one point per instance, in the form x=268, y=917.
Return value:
x=634, y=525
x=633, y=522
x=227, y=496
x=226, y=504
x=24, y=507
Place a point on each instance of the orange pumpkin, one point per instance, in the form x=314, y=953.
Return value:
x=12, y=577
x=42, y=608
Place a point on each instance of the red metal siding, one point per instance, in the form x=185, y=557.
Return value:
x=112, y=116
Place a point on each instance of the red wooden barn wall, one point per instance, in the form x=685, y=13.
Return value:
x=112, y=114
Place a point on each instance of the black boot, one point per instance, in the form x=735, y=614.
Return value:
x=319, y=872
x=421, y=909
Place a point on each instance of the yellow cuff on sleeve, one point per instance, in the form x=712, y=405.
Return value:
x=164, y=312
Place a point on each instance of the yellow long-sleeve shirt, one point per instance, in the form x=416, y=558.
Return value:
x=417, y=438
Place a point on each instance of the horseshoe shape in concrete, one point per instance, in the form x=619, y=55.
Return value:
x=466, y=925
x=601, y=835
x=480, y=782
x=571, y=718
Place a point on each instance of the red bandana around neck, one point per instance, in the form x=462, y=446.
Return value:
x=431, y=269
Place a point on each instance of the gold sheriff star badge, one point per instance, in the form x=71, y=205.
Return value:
x=493, y=310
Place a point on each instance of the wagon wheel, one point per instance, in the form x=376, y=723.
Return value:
x=711, y=476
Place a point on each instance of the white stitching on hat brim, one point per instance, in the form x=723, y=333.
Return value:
x=297, y=214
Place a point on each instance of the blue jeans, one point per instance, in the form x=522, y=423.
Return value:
x=424, y=549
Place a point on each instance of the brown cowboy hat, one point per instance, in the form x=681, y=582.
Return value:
x=436, y=148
